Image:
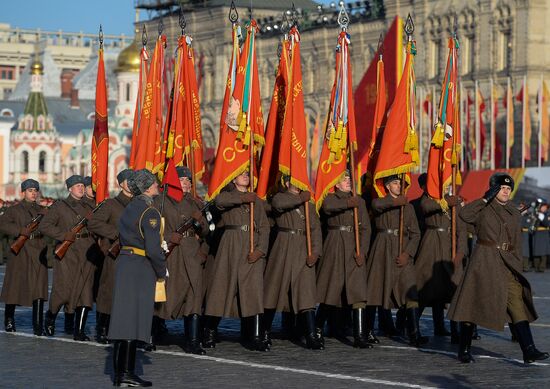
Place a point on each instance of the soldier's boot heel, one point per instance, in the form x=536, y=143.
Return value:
x=81, y=317
x=438, y=316
x=359, y=332
x=527, y=344
x=320, y=320
x=256, y=342
x=370, y=313
x=465, y=343
x=192, y=328
x=126, y=365
x=209, y=335
x=415, y=337
x=475, y=333
x=267, y=322
x=49, y=323
x=312, y=341
x=101, y=328
x=38, y=317
x=9, y=318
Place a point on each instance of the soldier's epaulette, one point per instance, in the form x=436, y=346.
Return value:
x=141, y=218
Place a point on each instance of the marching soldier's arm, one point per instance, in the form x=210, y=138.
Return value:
x=334, y=204
x=429, y=206
x=413, y=230
x=150, y=226
x=49, y=224
x=382, y=204
x=99, y=224
x=8, y=223
x=284, y=201
x=471, y=211
x=228, y=199
x=365, y=229
x=262, y=224
x=316, y=233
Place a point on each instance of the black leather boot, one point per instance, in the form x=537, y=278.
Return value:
x=525, y=339
x=38, y=317
x=438, y=317
x=385, y=323
x=101, y=327
x=513, y=332
x=370, y=312
x=69, y=323
x=210, y=329
x=81, y=316
x=192, y=325
x=454, y=332
x=415, y=337
x=320, y=320
x=475, y=334
x=288, y=321
x=49, y=323
x=255, y=339
x=400, y=320
x=125, y=364
x=465, y=343
x=267, y=322
x=359, y=333
x=118, y=365
x=310, y=331
x=9, y=317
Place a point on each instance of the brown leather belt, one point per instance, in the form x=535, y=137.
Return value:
x=244, y=227
x=36, y=235
x=296, y=231
x=439, y=229
x=500, y=246
x=341, y=228
x=388, y=231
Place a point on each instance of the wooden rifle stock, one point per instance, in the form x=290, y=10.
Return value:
x=187, y=224
x=18, y=244
x=62, y=248
x=114, y=250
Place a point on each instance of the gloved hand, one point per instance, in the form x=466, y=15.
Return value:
x=354, y=202
x=254, y=256
x=453, y=201
x=311, y=260
x=24, y=231
x=399, y=201
x=359, y=259
x=70, y=236
x=175, y=238
x=457, y=259
x=491, y=193
x=164, y=246
x=305, y=196
x=197, y=215
x=248, y=197
x=402, y=259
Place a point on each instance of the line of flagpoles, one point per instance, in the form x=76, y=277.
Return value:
x=167, y=124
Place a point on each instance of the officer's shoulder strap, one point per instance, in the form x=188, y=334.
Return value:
x=141, y=218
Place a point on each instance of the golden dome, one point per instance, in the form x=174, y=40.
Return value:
x=37, y=67
x=128, y=59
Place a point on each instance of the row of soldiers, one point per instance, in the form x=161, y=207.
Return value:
x=536, y=235
x=236, y=272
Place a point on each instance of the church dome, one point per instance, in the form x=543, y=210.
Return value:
x=37, y=67
x=128, y=60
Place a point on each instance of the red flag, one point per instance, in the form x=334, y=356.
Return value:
x=143, y=58
x=148, y=153
x=172, y=181
x=100, y=139
x=293, y=150
x=269, y=168
x=399, y=147
x=544, y=124
x=523, y=96
x=509, y=105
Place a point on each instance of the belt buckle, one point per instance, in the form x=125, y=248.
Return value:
x=299, y=231
x=348, y=228
x=505, y=246
x=395, y=232
x=245, y=228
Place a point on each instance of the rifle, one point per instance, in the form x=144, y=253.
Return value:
x=114, y=250
x=61, y=249
x=187, y=224
x=18, y=244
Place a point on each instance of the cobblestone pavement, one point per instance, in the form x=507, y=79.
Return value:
x=27, y=361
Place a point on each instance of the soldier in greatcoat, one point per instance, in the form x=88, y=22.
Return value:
x=289, y=280
x=341, y=273
x=235, y=287
x=185, y=264
x=493, y=290
x=391, y=279
x=541, y=238
x=73, y=276
x=104, y=224
x=140, y=264
x=26, y=278
x=437, y=272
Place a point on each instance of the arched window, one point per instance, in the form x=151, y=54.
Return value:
x=25, y=162
x=42, y=162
